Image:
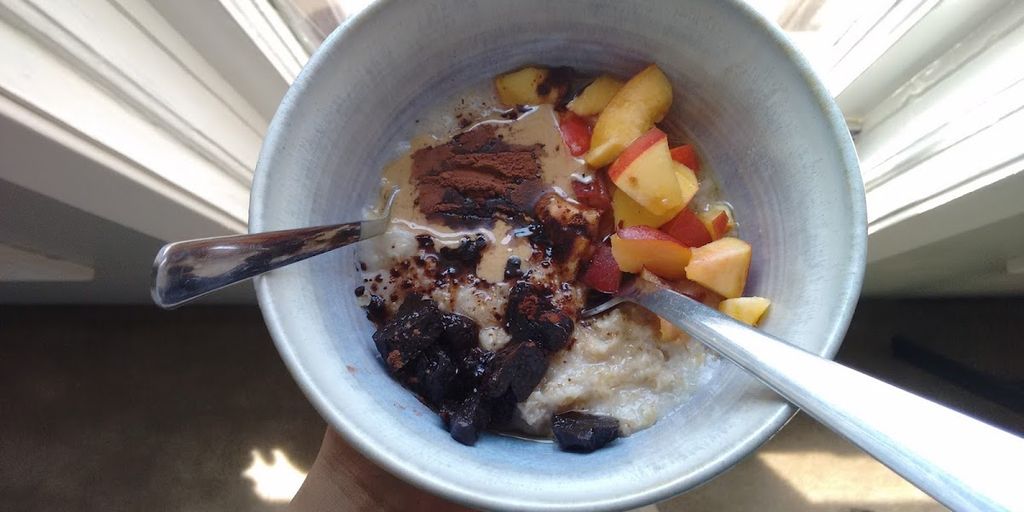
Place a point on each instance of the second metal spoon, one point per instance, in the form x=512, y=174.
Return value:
x=185, y=271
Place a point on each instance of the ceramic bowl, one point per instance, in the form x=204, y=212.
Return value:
x=766, y=126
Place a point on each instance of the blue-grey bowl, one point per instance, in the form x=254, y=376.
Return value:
x=765, y=125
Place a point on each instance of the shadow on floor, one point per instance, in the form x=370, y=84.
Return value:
x=131, y=408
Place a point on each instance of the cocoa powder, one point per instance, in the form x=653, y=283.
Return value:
x=476, y=178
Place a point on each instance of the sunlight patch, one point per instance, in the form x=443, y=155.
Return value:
x=275, y=481
x=824, y=477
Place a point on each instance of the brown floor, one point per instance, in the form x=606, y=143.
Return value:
x=130, y=408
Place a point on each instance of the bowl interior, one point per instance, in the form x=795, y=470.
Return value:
x=776, y=143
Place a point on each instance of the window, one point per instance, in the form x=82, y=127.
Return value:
x=167, y=102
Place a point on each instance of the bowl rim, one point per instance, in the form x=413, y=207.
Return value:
x=769, y=427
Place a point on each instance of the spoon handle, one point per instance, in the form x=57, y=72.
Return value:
x=961, y=462
x=183, y=271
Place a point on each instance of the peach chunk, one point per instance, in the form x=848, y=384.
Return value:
x=745, y=309
x=641, y=102
x=688, y=184
x=521, y=87
x=721, y=266
x=642, y=247
x=629, y=212
x=595, y=97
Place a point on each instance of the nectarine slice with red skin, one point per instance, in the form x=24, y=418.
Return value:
x=634, y=150
x=688, y=229
x=575, y=132
x=686, y=155
x=720, y=224
x=603, y=272
x=641, y=247
x=646, y=172
x=593, y=193
x=717, y=221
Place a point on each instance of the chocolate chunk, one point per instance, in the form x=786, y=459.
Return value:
x=471, y=368
x=516, y=368
x=360, y=290
x=581, y=432
x=565, y=229
x=460, y=333
x=559, y=79
x=533, y=317
x=463, y=258
x=467, y=419
x=513, y=268
x=554, y=330
x=416, y=326
x=445, y=412
x=425, y=242
x=376, y=310
x=503, y=409
x=432, y=375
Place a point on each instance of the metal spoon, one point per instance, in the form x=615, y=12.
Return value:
x=184, y=271
x=961, y=462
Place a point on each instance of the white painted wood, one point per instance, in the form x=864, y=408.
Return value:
x=154, y=123
x=941, y=162
x=49, y=158
x=972, y=79
x=871, y=37
x=897, y=50
x=20, y=265
x=109, y=48
x=209, y=27
x=37, y=83
x=176, y=45
x=966, y=213
x=270, y=33
x=971, y=262
x=978, y=160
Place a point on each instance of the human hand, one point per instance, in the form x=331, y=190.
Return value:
x=341, y=479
